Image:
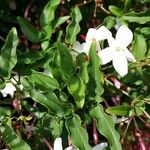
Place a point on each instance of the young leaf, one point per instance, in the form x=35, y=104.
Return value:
x=8, y=57
x=73, y=28
x=106, y=127
x=119, y=110
x=42, y=81
x=76, y=88
x=13, y=141
x=139, y=46
x=48, y=13
x=47, y=99
x=94, y=86
x=30, y=31
x=116, y=10
x=77, y=133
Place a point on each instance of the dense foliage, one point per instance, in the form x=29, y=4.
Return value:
x=50, y=87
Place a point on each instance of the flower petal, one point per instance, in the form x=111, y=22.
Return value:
x=120, y=63
x=58, y=144
x=90, y=36
x=124, y=36
x=77, y=46
x=106, y=55
x=102, y=33
x=129, y=55
x=86, y=47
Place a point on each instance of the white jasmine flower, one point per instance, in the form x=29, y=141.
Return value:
x=58, y=144
x=8, y=90
x=99, y=34
x=117, y=51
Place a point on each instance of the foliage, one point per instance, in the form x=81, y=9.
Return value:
x=62, y=92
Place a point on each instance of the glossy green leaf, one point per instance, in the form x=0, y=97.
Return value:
x=106, y=127
x=139, y=46
x=119, y=110
x=30, y=31
x=8, y=57
x=43, y=81
x=48, y=13
x=76, y=88
x=141, y=18
x=13, y=141
x=66, y=61
x=82, y=64
x=109, y=22
x=47, y=99
x=116, y=10
x=94, y=86
x=59, y=21
x=77, y=133
x=73, y=28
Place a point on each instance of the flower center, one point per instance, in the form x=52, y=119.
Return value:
x=119, y=49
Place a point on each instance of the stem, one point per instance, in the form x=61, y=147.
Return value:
x=122, y=139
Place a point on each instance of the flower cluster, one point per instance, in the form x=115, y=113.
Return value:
x=117, y=52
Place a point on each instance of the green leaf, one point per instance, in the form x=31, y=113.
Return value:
x=127, y=4
x=30, y=31
x=59, y=21
x=76, y=88
x=106, y=127
x=30, y=57
x=73, y=28
x=116, y=10
x=47, y=99
x=48, y=13
x=139, y=46
x=5, y=111
x=94, y=86
x=119, y=110
x=109, y=22
x=77, y=133
x=145, y=30
x=141, y=18
x=82, y=64
x=49, y=126
x=42, y=81
x=8, y=57
x=13, y=141
x=66, y=61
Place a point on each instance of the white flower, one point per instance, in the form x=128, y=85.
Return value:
x=58, y=144
x=93, y=34
x=99, y=34
x=8, y=90
x=117, y=51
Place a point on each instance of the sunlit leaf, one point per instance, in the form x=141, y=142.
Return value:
x=8, y=57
